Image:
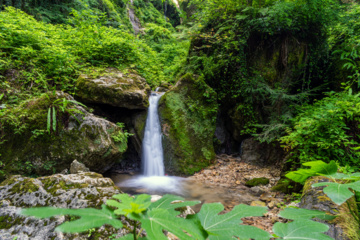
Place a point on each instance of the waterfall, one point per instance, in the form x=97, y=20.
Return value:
x=152, y=151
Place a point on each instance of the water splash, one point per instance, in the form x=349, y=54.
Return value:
x=152, y=151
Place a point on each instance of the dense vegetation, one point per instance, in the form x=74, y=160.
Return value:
x=264, y=59
x=283, y=71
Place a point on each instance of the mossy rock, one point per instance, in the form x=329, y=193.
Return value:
x=83, y=136
x=344, y=226
x=115, y=88
x=257, y=181
x=188, y=117
x=66, y=191
x=286, y=186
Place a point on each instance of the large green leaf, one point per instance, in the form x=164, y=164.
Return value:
x=89, y=217
x=227, y=225
x=172, y=202
x=316, y=168
x=301, y=230
x=158, y=219
x=300, y=213
x=343, y=176
x=130, y=205
x=338, y=192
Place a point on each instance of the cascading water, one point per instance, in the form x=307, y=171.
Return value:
x=152, y=151
x=154, y=178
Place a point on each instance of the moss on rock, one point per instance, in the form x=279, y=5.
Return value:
x=188, y=116
x=286, y=186
x=115, y=88
x=257, y=181
x=29, y=149
x=344, y=226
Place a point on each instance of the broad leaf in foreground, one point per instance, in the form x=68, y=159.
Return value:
x=89, y=217
x=305, y=214
x=338, y=192
x=226, y=226
x=316, y=168
x=301, y=229
x=130, y=205
x=171, y=202
x=157, y=220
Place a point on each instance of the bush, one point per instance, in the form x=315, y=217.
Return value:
x=327, y=130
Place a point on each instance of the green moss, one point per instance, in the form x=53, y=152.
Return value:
x=286, y=186
x=188, y=114
x=27, y=185
x=256, y=182
x=7, y=221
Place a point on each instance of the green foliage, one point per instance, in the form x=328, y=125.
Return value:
x=344, y=43
x=227, y=225
x=207, y=224
x=53, y=56
x=339, y=185
x=89, y=217
x=338, y=192
x=302, y=227
x=327, y=130
x=121, y=137
x=301, y=230
x=316, y=168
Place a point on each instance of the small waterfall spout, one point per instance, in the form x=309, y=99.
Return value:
x=152, y=151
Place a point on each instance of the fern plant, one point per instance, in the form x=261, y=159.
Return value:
x=63, y=105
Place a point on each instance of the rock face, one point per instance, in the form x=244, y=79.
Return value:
x=65, y=191
x=114, y=88
x=188, y=117
x=344, y=226
x=91, y=140
x=261, y=154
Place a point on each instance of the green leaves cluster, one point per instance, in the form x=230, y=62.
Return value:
x=163, y=214
x=339, y=185
x=327, y=130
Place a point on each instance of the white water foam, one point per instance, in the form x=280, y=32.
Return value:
x=152, y=151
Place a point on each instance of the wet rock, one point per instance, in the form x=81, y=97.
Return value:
x=257, y=191
x=344, y=226
x=83, y=136
x=77, y=167
x=188, y=117
x=66, y=191
x=115, y=88
x=261, y=154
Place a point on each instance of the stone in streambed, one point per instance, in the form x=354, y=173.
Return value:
x=256, y=182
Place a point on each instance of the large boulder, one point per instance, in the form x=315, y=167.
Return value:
x=261, y=154
x=344, y=226
x=30, y=148
x=113, y=87
x=66, y=191
x=188, y=117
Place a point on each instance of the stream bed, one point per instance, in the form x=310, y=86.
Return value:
x=224, y=182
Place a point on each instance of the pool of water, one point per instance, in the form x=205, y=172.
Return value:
x=185, y=187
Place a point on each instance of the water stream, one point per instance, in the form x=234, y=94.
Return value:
x=152, y=151
x=153, y=180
